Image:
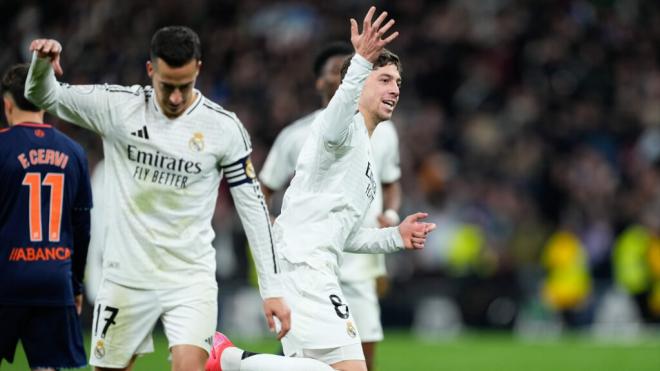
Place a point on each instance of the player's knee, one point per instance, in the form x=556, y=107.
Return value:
x=188, y=358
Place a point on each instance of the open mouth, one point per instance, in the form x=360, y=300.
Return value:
x=390, y=103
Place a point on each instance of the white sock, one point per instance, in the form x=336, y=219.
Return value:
x=231, y=361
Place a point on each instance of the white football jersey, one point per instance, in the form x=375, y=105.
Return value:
x=161, y=180
x=385, y=149
x=281, y=161
x=280, y=166
x=335, y=181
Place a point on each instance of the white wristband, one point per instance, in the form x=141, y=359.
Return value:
x=392, y=217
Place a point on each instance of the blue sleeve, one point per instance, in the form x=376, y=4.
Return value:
x=80, y=220
x=81, y=224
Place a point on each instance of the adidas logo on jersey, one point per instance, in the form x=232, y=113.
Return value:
x=142, y=133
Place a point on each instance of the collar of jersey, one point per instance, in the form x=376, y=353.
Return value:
x=33, y=125
x=360, y=120
x=188, y=110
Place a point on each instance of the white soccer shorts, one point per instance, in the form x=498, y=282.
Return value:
x=320, y=317
x=124, y=319
x=363, y=300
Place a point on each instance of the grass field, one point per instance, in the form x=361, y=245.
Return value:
x=474, y=352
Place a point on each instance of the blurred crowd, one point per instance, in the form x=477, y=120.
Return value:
x=530, y=130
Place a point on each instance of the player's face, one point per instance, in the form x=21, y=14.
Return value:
x=173, y=85
x=381, y=92
x=328, y=83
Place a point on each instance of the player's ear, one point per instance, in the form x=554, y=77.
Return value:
x=199, y=67
x=320, y=85
x=150, y=69
x=7, y=103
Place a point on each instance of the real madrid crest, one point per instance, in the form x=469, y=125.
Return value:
x=196, y=143
x=249, y=169
x=350, y=329
x=99, y=349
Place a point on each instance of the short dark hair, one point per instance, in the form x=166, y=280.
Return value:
x=176, y=45
x=333, y=49
x=13, y=83
x=386, y=57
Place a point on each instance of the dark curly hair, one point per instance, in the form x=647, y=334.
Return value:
x=13, y=84
x=386, y=57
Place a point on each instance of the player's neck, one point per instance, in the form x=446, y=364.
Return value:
x=26, y=116
x=185, y=108
x=370, y=121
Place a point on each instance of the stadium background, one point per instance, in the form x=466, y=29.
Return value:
x=530, y=131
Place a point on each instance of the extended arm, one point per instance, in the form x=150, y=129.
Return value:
x=252, y=210
x=337, y=117
x=410, y=234
x=89, y=106
x=375, y=241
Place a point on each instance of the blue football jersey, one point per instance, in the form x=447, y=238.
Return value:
x=44, y=177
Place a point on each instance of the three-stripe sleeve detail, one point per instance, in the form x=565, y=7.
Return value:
x=236, y=173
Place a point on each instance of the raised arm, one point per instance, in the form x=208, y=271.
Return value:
x=336, y=118
x=89, y=106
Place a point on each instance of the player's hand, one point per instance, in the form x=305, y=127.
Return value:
x=413, y=232
x=49, y=48
x=370, y=42
x=78, y=302
x=277, y=307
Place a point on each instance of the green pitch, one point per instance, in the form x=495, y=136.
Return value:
x=474, y=352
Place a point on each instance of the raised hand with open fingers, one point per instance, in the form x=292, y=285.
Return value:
x=370, y=42
x=414, y=232
x=49, y=48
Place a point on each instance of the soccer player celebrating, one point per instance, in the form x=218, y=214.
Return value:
x=359, y=272
x=166, y=148
x=323, y=209
x=44, y=234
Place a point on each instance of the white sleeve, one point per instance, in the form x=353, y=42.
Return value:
x=375, y=241
x=253, y=212
x=337, y=117
x=390, y=170
x=251, y=208
x=88, y=106
x=277, y=168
